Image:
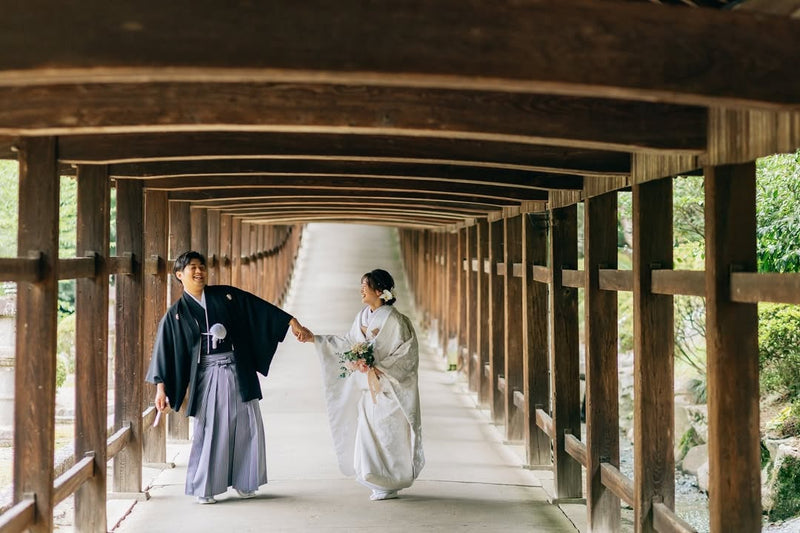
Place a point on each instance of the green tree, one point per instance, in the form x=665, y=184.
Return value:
x=778, y=213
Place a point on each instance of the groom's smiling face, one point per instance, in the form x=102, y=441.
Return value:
x=193, y=276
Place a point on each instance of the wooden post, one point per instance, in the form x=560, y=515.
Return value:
x=35, y=372
x=454, y=303
x=225, y=244
x=496, y=326
x=600, y=332
x=155, y=305
x=734, y=451
x=213, y=247
x=199, y=230
x=468, y=303
x=180, y=241
x=512, y=309
x=535, y=347
x=91, y=344
x=565, y=356
x=236, y=252
x=653, y=387
x=129, y=368
x=482, y=318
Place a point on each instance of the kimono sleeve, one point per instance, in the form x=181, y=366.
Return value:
x=266, y=325
x=164, y=366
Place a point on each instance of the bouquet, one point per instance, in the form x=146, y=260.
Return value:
x=360, y=358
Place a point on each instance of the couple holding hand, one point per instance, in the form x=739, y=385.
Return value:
x=215, y=340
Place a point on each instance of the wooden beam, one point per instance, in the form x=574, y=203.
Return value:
x=129, y=150
x=669, y=54
x=732, y=351
x=91, y=345
x=653, y=334
x=249, y=194
x=600, y=123
x=35, y=352
x=482, y=312
x=231, y=170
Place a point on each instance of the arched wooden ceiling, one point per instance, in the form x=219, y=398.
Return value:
x=422, y=113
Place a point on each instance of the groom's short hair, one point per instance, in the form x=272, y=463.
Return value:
x=185, y=258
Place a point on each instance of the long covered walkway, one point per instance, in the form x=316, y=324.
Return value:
x=472, y=481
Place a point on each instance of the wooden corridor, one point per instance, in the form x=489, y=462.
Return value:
x=471, y=481
x=476, y=129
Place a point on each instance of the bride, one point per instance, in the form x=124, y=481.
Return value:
x=374, y=411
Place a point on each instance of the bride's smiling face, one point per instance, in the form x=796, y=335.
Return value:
x=370, y=296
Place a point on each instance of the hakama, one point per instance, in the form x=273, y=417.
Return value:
x=228, y=447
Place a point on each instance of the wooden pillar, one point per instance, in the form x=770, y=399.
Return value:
x=496, y=326
x=214, y=268
x=35, y=372
x=732, y=352
x=468, y=305
x=535, y=347
x=236, y=252
x=180, y=241
x=653, y=387
x=91, y=344
x=155, y=305
x=199, y=230
x=482, y=318
x=512, y=310
x=129, y=368
x=564, y=352
x=453, y=303
x=225, y=245
x=600, y=333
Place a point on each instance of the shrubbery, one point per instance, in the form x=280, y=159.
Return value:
x=779, y=349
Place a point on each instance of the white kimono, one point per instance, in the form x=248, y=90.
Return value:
x=379, y=442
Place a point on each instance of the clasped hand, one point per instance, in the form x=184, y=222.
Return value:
x=301, y=333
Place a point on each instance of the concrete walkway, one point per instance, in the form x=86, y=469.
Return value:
x=472, y=482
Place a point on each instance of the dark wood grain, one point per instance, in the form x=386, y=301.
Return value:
x=653, y=315
x=91, y=344
x=535, y=342
x=630, y=49
x=732, y=351
x=564, y=362
x=179, y=241
x=600, y=332
x=35, y=348
x=512, y=325
x=129, y=359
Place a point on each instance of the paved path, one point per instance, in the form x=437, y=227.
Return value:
x=472, y=482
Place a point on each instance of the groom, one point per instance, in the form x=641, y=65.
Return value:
x=211, y=343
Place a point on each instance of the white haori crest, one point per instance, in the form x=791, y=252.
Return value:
x=217, y=333
x=386, y=295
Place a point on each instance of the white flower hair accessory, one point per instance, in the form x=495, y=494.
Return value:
x=386, y=295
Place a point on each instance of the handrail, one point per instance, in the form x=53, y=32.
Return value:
x=19, y=518
x=617, y=482
x=544, y=422
x=666, y=521
x=71, y=480
x=117, y=442
x=575, y=448
x=752, y=287
x=77, y=267
x=541, y=274
x=572, y=278
x=20, y=269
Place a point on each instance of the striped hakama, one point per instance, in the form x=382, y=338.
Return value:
x=228, y=447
